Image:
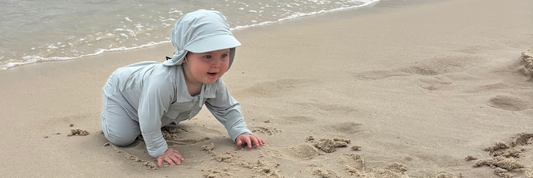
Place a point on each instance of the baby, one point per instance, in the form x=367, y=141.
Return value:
x=143, y=97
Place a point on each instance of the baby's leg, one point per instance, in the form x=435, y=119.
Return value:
x=117, y=126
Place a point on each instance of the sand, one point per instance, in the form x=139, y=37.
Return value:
x=419, y=86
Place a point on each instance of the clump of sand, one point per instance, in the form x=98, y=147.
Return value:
x=500, y=162
x=266, y=169
x=527, y=56
x=228, y=157
x=355, y=165
x=325, y=173
x=216, y=173
x=447, y=175
x=208, y=147
x=355, y=148
x=261, y=168
x=150, y=165
x=79, y=132
x=331, y=145
x=504, y=157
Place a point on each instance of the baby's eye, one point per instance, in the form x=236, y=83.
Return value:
x=207, y=56
x=224, y=56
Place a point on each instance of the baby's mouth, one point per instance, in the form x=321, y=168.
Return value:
x=212, y=74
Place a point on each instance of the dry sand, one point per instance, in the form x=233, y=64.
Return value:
x=418, y=86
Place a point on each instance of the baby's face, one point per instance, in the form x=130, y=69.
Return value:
x=210, y=66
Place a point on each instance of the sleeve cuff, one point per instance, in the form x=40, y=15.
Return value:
x=158, y=151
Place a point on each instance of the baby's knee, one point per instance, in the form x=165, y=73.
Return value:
x=118, y=140
x=120, y=134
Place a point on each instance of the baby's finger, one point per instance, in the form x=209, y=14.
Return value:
x=175, y=159
x=178, y=155
x=248, y=142
x=239, y=142
x=159, y=161
x=254, y=140
x=169, y=161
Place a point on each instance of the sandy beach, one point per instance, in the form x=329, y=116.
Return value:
x=395, y=89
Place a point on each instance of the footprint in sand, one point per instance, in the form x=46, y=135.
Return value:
x=355, y=165
x=345, y=127
x=433, y=83
x=305, y=152
x=266, y=130
x=377, y=74
x=488, y=87
x=438, y=65
x=382, y=74
x=507, y=102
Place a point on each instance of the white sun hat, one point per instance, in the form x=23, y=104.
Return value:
x=199, y=32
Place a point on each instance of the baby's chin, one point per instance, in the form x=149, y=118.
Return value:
x=210, y=81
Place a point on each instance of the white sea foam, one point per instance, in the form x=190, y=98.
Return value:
x=300, y=14
x=33, y=59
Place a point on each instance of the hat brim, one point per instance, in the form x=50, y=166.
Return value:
x=213, y=43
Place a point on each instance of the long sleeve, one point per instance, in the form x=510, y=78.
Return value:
x=155, y=100
x=228, y=112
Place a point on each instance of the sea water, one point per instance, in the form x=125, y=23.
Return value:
x=44, y=30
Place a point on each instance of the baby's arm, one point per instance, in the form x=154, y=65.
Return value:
x=228, y=112
x=155, y=99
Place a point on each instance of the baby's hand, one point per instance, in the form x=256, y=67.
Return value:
x=248, y=140
x=171, y=156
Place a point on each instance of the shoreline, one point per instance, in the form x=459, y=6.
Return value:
x=99, y=51
x=411, y=84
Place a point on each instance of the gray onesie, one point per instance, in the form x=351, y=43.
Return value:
x=143, y=97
